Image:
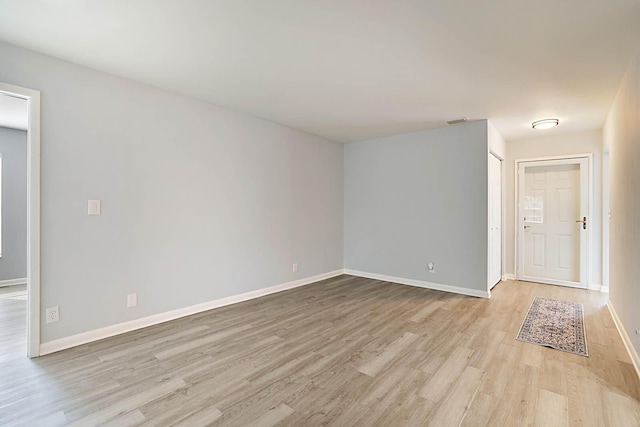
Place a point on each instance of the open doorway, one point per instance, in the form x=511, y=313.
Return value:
x=20, y=219
x=13, y=224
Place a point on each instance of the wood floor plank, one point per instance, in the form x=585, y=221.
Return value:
x=272, y=417
x=521, y=395
x=129, y=404
x=149, y=344
x=455, y=405
x=532, y=355
x=426, y=311
x=343, y=351
x=486, y=410
x=631, y=379
x=204, y=417
x=193, y=344
x=447, y=374
x=129, y=419
x=501, y=371
x=585, y=398
x=376, y=365
x=552, y=411
x=621, y=410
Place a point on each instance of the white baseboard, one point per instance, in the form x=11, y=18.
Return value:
x=633, y=354
x=11, y=282
x=592, y=287
x=132, y=325
x=421, y=284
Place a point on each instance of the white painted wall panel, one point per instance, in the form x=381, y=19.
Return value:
x=198, y=202
x=420, y=197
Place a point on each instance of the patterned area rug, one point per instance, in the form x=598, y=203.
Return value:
x=556, y=324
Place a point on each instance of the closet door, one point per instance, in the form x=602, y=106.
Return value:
x=495, y=220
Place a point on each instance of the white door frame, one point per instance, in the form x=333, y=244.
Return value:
x=33, y=213
x=606, y=219
x=502, y=217
x=585, y=248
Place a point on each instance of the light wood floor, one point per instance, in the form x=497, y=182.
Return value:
x=345, y=351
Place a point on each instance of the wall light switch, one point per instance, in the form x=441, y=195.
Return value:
x=94, y=207
x=132, y=300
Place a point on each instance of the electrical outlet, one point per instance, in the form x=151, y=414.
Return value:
x=295, y=267
x=132, y=300
x=432, y=267
x=93, y=207
x=53, y=314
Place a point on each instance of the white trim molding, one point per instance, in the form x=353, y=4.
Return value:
x=33, y=213
x=12, y=282
x=421, y=284
x=604, y=289
x=633, y=354
x=595, y=287
x=586, y=194
x=132, y=325
x=508, y=276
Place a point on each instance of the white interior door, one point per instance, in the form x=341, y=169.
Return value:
x=495, y=220
x=553, y=221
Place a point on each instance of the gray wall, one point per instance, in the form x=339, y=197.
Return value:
x=13, y=150
x=198, y=202
x=622, y=138
x=420, y=197
x=558, y=145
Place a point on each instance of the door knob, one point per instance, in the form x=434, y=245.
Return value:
x=584, y=222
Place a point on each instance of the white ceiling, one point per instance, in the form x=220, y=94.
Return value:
x=352, y=70
x=13, y=112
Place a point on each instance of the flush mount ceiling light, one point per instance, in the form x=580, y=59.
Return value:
x=545, y=123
